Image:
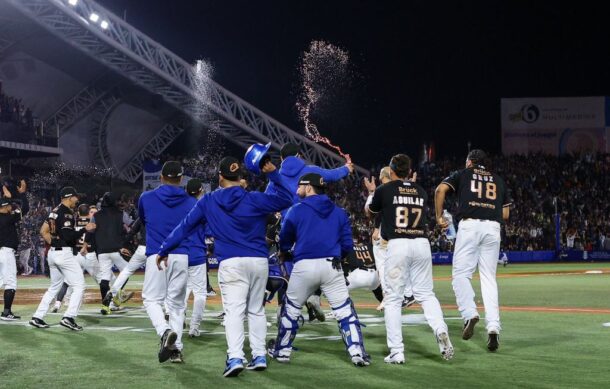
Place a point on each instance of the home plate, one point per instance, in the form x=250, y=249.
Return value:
x=606, y=324
x=594, y=272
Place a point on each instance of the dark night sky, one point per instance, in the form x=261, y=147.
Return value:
x=428, y=71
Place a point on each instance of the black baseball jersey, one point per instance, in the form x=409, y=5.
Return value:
x=402, y=205
x=9, y=236
x=61, y=226
x=481, y=194
x=361, y=258
x=87, y=238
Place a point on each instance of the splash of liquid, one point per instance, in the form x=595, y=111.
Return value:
x=321, y=66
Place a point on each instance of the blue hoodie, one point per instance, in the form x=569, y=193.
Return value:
x=237, y=220
x=161, y=210
x=319, y=227
x=197, y=247
x=294, y=168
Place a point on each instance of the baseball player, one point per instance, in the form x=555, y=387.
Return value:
x=109, y=234
x=380, y=244
x=483, y=205
x=237, y=220
x=197, y=280
x=321, y=235
x=59, y=232
x=161, y=210
x=503, y=260
x=402, y=205
x=9, y=241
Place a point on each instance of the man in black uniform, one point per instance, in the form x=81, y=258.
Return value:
x=360, y=271
x=483, y=205
x=10, y=216
x=402, y=205
x=59, y=232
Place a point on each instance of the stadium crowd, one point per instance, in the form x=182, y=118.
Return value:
x=12, y=110
x=574, y=185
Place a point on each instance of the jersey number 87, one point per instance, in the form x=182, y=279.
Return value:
x=402, y=217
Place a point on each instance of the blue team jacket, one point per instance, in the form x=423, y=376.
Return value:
x=293, y=168
x=161, y=210
x=197, y=247
x=237, y=220
x=319, y=227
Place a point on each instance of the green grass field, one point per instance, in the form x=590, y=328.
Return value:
x=553, y=337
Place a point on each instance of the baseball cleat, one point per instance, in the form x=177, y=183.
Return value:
x=194, y=333
x=395, y=358
x=493, y=341
x=274, y=355
x=234, y=367
x=124, y=297
x=38, y=323
x=176, y=357
x=115, y=308
x=166, y=347
x=107, y=299
x=359, y=360
x=444, y=345
x=105, y=310
x=211, y=293
x=408, y=301
x=9, y=316
x=381, y=306
x=258, y=363
x=69, y=323
x=469, y=327
x=317, y=311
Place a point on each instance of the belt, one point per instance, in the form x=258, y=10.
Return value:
x=61, y=248
x=479, y=220
x=367, y=269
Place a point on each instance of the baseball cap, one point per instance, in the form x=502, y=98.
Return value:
x=172, y=169
x=5, y=201
x=229, y=168
x=68, y=191
x=289, y=149
x=312, y=179
x=194, y=186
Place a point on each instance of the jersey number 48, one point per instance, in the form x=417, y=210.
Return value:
x=489, y=192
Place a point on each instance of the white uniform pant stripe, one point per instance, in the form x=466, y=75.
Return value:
x=167, y=286
x=63, y=266
x=242, y=283
x=409, y=259
x=477, y=243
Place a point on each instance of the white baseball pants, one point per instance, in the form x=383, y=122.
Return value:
x=106, y=261
x=167, y=286
x=477, y=243
x=197, y=284
x=8, y=268
x=363, y=279
x=135, y=262
x=63, y=266
x=409, y=259
x=242, y=283
x=380, y=251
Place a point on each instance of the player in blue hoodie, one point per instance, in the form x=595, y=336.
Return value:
x=161, y=210
x=237, y=221
x=321, y=235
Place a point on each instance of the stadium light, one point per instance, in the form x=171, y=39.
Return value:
x=73, y=2
x=94, y=17
x=104, y=24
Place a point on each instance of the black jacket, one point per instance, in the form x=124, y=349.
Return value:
x=109, y=232
x=9, y=235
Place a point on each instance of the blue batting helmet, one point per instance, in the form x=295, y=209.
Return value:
x=254, y=157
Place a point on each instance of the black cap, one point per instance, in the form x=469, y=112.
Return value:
x=5, y=201
x=230, y=168
x=194, y=186
x=172, y=169
x=68, y=191
x=312, y=179
x=108, y=200
x=289, y=149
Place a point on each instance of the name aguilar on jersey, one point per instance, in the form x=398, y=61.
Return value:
x=402, y=207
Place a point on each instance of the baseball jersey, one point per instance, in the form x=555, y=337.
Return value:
x=87, y=238
x=361, y=258
x=61, y=226
x=402, y=205
x=481, y=194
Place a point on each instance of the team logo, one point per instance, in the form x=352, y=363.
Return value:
x=234, y=167
x=530, y=113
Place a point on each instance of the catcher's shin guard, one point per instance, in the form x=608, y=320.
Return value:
x=288, y=327
x=350, y=330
